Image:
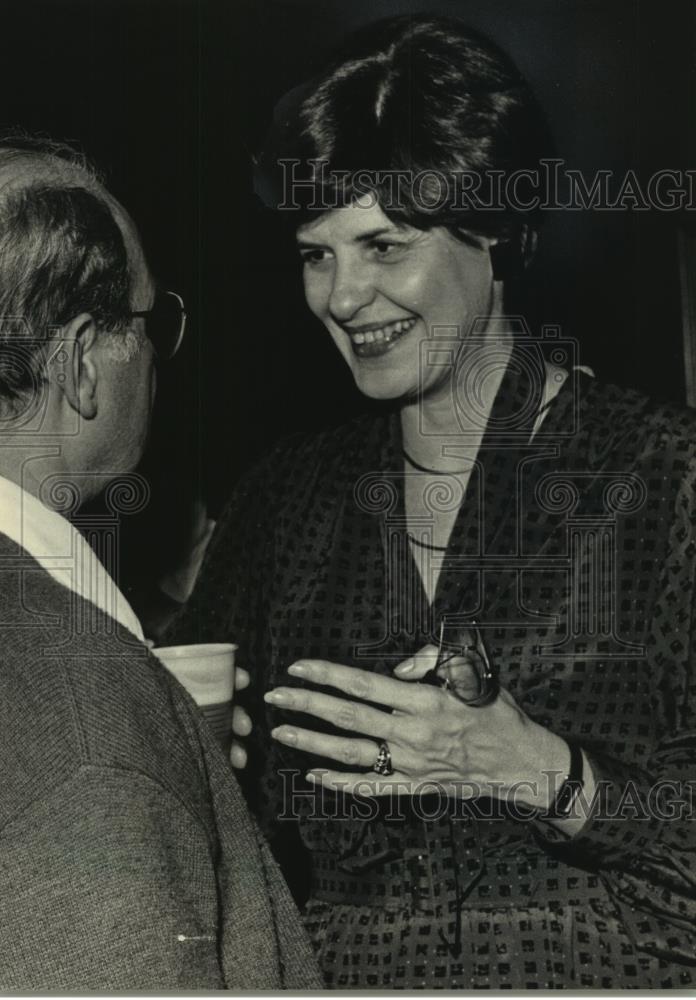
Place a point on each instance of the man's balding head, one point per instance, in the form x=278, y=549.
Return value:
x=76, y=362
x=66, y=247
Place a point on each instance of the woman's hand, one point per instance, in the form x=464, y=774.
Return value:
x=433, y=737
x=241, y=723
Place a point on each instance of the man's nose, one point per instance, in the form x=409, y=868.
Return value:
x=352, y=289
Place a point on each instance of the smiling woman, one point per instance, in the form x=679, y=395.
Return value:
x=468, y=618
x=382, y=289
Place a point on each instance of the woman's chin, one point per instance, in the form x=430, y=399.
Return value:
x=382, y=386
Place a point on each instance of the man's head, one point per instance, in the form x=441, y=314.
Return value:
x=72, y=355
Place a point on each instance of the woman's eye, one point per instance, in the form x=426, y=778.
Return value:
x=385, y=248
x=313, y=257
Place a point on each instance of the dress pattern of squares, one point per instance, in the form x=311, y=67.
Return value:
x=580, y=567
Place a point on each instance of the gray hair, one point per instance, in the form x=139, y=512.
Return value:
x=62, y=253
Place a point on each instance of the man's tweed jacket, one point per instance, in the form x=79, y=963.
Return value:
x=127, y=857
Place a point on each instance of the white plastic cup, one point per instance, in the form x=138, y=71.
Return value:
x=206, y=671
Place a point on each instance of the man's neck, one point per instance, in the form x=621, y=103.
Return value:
x=31, y=467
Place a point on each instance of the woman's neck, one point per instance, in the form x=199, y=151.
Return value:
x=437, y=422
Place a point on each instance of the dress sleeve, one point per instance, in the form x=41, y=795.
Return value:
x=108, y=883
x=641, y=834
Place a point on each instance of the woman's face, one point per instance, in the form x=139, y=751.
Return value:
x=382, y=290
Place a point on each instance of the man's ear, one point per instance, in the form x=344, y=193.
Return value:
x=72, y=366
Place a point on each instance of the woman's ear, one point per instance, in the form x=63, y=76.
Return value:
x=73, y=368
x=510, y=258
x=529, y=241
x=506, y=260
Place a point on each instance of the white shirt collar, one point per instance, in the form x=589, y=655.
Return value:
x=62, y=551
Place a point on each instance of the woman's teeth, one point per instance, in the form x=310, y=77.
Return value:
x=385, y=333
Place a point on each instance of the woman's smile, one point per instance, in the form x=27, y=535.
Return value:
x=384, y=289
x=374, y=341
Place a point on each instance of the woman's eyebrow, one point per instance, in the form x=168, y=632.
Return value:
x=374, y=233
x=360, y=238
x=308, y=244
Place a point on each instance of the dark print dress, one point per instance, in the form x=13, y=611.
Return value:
x=580, y=570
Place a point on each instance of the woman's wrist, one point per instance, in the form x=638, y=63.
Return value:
x=579, y=813
x=543, y=763
x=565, y=787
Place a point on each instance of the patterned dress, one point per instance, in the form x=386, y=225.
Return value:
x=580, y=568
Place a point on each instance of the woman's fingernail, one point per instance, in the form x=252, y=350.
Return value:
x=312, y=778
x=298, y=668
x=278, y=697
x=284, y=735
x=405, y=668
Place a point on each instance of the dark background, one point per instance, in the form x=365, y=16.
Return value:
x=170, y=98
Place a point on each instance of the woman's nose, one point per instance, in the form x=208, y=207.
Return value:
x=352, y=289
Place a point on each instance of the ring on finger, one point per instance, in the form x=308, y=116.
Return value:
x=383, y=764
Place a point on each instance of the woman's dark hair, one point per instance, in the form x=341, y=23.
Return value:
x=417, y=97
